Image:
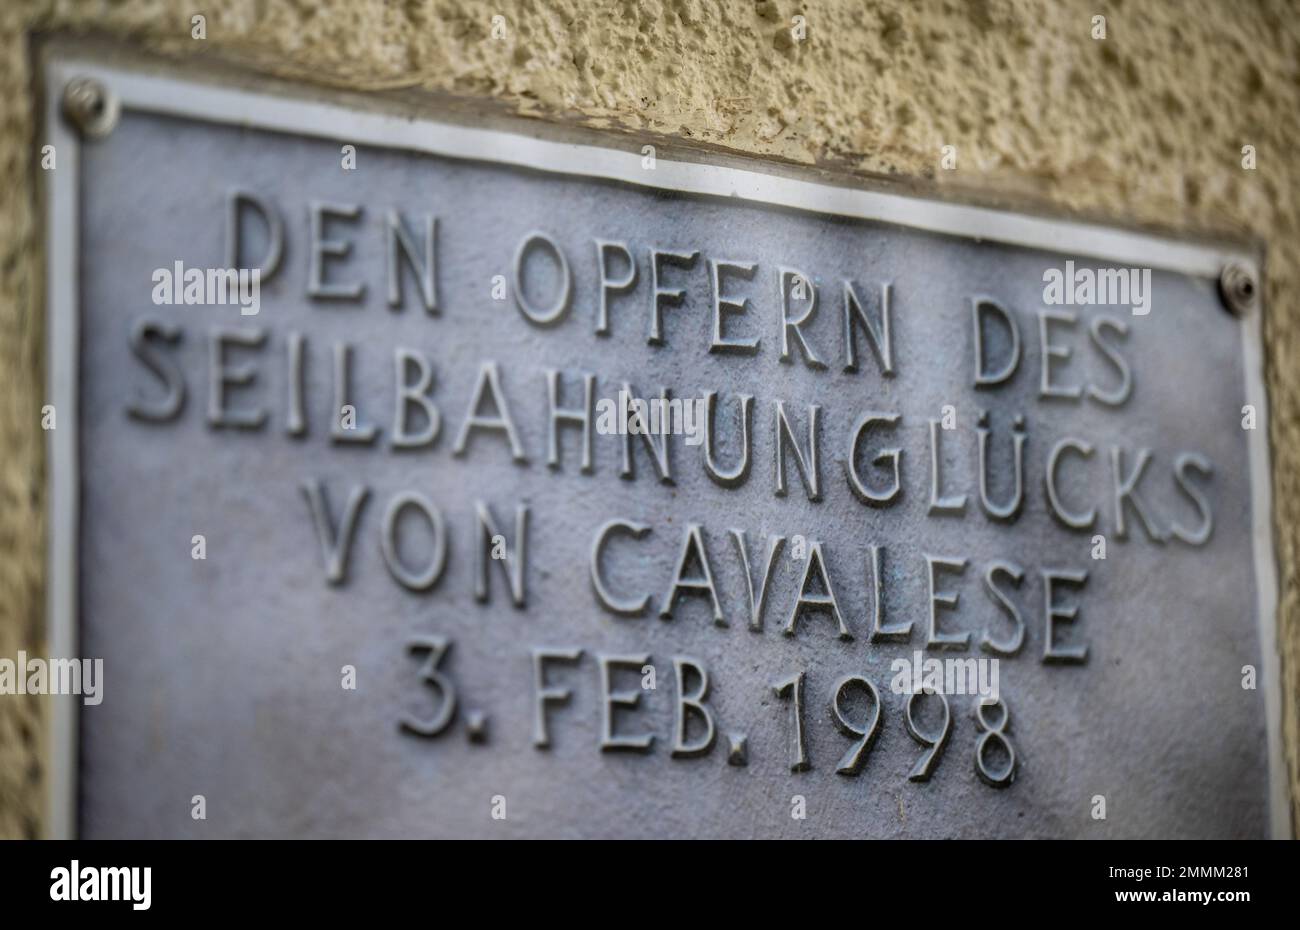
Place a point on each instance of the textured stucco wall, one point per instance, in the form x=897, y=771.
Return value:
x=1145, y=126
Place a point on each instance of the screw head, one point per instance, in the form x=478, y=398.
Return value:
x=91, y=107
x=476, y=726
x=1238, y=288
x=738, y=750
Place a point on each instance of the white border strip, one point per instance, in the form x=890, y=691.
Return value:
x=62, y=464
x=1266, y=592
x=168, y=95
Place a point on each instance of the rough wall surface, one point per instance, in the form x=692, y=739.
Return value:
x=1146, y=125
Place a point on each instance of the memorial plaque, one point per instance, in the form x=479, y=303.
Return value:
x=527, y=483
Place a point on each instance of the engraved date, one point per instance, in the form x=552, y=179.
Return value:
x=624, y=680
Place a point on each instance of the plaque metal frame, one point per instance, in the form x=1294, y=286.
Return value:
x=136, y=83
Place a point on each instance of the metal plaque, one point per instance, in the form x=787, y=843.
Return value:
x=439, y=478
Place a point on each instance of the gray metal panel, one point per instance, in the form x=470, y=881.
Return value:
x=222, y=675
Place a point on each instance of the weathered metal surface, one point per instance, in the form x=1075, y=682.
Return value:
x=224, y=675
